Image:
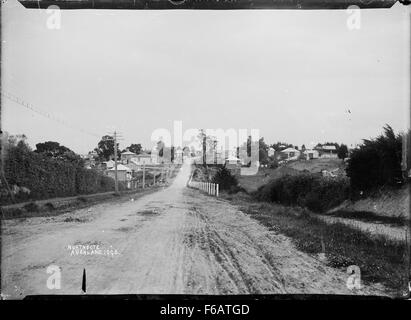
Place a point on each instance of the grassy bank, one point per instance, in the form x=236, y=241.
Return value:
x=57, y=206
x=380, y=260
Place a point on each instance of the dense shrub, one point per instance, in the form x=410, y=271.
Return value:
x=225, y=180
x=47, y=177
x=308, y=190
x=376, y=162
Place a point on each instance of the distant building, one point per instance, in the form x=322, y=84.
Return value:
x=311, y=154
x=142, y=158
x=271, y=152
x=126, y=156
x=290, y=154
x=327, y=151
x=109, y=164
x=233, y=164
x=123, y=173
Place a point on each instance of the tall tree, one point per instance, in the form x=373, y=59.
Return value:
x=105, y=148
x=262, y=151
x=342, y=151
x=51, y=148
x=281, y=146
x=377, y=162
x=135, y=147
x=55, y=150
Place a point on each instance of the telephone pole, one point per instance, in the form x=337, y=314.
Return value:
x=115, y=163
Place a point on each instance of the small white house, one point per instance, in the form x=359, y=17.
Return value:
x=233, y=160
x=311, y=154
x=290, y=154
x=328, y=152
x=109, y=164
x=126, y=156
x=271, y=152
x=142, y=158
x=123, y=172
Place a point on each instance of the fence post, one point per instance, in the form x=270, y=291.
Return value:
x=217, y=190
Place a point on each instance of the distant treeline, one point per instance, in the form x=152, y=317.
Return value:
x=30, y=175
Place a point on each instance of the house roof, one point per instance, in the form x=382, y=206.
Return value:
x=329, y=148
x=109, y=163
x=232, y=159
x=141, y=155
x=128, y=153
x=290, y=150
x=121, y=167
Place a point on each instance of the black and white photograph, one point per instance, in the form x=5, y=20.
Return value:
x=205, y=148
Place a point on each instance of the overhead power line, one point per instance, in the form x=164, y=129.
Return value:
x=50, y=116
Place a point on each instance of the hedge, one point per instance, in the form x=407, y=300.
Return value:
x=46, y=177
x=308, y=190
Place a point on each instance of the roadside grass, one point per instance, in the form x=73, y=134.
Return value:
x=368, y=216
x=73, y=219
x=57, y=207
x=49, y=206
x=381, y=260
x=82, y=199
x=31, y=207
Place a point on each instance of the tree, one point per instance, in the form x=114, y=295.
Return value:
x=135, y=147
x=342, y=151
x=55, y=150
x=51, y=148
x=376, y=162
x=172, y=151
x=262, y=151
x=281, y=146
x=247, y=150
x=105, y=148
x=225, y=179
x=160, y=148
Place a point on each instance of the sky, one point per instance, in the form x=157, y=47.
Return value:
x=300, y=77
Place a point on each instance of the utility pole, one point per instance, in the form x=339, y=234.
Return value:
x=115, y=162
x=144, y=175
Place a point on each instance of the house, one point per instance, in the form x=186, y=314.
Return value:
x=311, y=154
x=233, y=164
x=109, y=164
x=290, y=154
x=271, y=152
x=142, y=158
x=90, y=159
x=327, y=151
x=123, y=173
x=126, y=156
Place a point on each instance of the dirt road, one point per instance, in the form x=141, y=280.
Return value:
x=176, y=240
